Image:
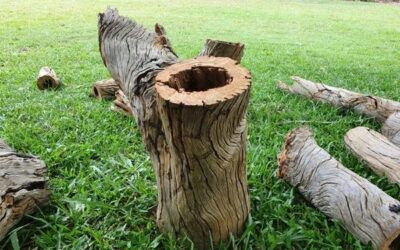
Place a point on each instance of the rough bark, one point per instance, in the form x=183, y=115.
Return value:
x=366, y=211
x=371, y=106
x=22, y=187
x=391, y=128
x=134, y=56
x=122, y=104
x=223, y=49
x=105, y=89
x=202, y=105
x=382, y=156
x=47, y=79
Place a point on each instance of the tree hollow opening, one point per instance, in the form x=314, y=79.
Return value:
x=199, y=78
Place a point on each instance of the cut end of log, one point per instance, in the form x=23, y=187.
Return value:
x=105, y=89
x=296, y=137
x=202, y=81
x=393, y=242
x=47, y=79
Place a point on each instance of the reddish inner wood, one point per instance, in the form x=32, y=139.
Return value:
x=199, y=78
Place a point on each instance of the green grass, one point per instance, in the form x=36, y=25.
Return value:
x=100, y=174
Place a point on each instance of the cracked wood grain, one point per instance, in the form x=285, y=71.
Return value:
x=23, y=187
x=362, y=208
x=382, y=156
x=371, y=106
x=391, y=128
x=223, y=49
x=188, y=176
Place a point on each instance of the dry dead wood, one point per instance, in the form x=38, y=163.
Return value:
x=105, y=89
x=22, y=187
x=371, y=106
x=47, y=79
x=366, y=211
x=223, y=49
x=391, y=128
x=382, y=156
x=122, y=104
x=194, y=129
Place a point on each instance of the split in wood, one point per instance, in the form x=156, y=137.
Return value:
x=47, y=79
x=223, y=49
x=382, y=156
x=105, y=89
x=23, y=187
x=366, y=211
x=194, y=127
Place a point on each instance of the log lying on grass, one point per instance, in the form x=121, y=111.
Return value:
x=391, y=128
x=223, y=49
x=47, y=79
x=122, y=104
x=371, y=106
x=22, y=187
x=366, y=211
x=382, y=156
x=105, y=89
x=194, y=129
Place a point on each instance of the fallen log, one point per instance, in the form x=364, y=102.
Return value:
x=371, y=106
x=47, y=79
x=382, y=156
x=23, y=187
x=122, y=104
x=223, y=49
x=391, y=128
x=198, y=153
x=105, y=89
x=362, y=208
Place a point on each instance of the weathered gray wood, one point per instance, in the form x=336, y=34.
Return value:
x=223, y=49
x=105, y=89
x=382, y=156
x=23, y=187
x=391, y=128
x=122, y=104
x=134, y=56
x=47, y=79
x=372, y=106
x=366, y=211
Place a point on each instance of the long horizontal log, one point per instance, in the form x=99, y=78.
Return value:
x=23, y=187
x=371, y=106
x=382, y=156
x=391, y=128
x=362, y=208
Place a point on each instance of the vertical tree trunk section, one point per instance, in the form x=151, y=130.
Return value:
x=382, y=156
x=186, y=202
x=47, y=79
x=105, y=89
x=223, y=49
x=202, y=104
x=23, y=187
x=391, y=128
x=366, y=211
x=371, y=106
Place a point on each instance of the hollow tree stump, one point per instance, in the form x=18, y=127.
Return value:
x=391, y=128
x=23, y=187
x=105, y=89
x=223, y=49
x=366, y=211
x=134, y=56
x=202, y=105
x=47, y=79
x=382, y=156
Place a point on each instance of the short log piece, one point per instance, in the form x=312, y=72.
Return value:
x=366, y=211
x=105, y=89
x=223, y=49
x=47, y=79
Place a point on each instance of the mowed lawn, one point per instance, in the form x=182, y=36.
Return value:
x=100, y=175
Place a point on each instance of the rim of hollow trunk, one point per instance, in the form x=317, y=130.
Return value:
x=202, y=81
x=393, y=242
x=47, y=82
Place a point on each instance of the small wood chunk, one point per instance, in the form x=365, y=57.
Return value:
x=223, y=49
x=23, y=187
x=391, y=128
x=365, y=210
x=105, y=89
x=122, y=104
x=47, y=79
